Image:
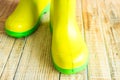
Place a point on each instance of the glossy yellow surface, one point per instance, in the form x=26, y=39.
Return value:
x=68, y=47
x=25, y=15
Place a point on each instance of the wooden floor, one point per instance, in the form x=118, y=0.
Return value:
x=29, y=58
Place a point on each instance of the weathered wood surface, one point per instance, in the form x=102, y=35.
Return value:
x=29, y=58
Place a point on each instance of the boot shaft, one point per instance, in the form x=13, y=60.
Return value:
x=63, y=11
x=66, y=8
x=39, y=5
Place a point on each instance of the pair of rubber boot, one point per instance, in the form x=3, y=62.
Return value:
x=69, y=51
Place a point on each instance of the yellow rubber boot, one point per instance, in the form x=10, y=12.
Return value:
x=69, y=51
x=26, y=17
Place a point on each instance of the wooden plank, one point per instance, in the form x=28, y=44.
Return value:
x=98, y=68
x=1, y=27
x=13, y=60
x=111, y=22
x=2, y=9
x=6, y=8
x=6, y=44
x=36, y=63
x=79, y=76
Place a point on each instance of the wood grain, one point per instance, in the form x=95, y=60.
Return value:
x=13, y=60
x=36, y=61
x=98, y=68
x=6, y=44
x=111, y=32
